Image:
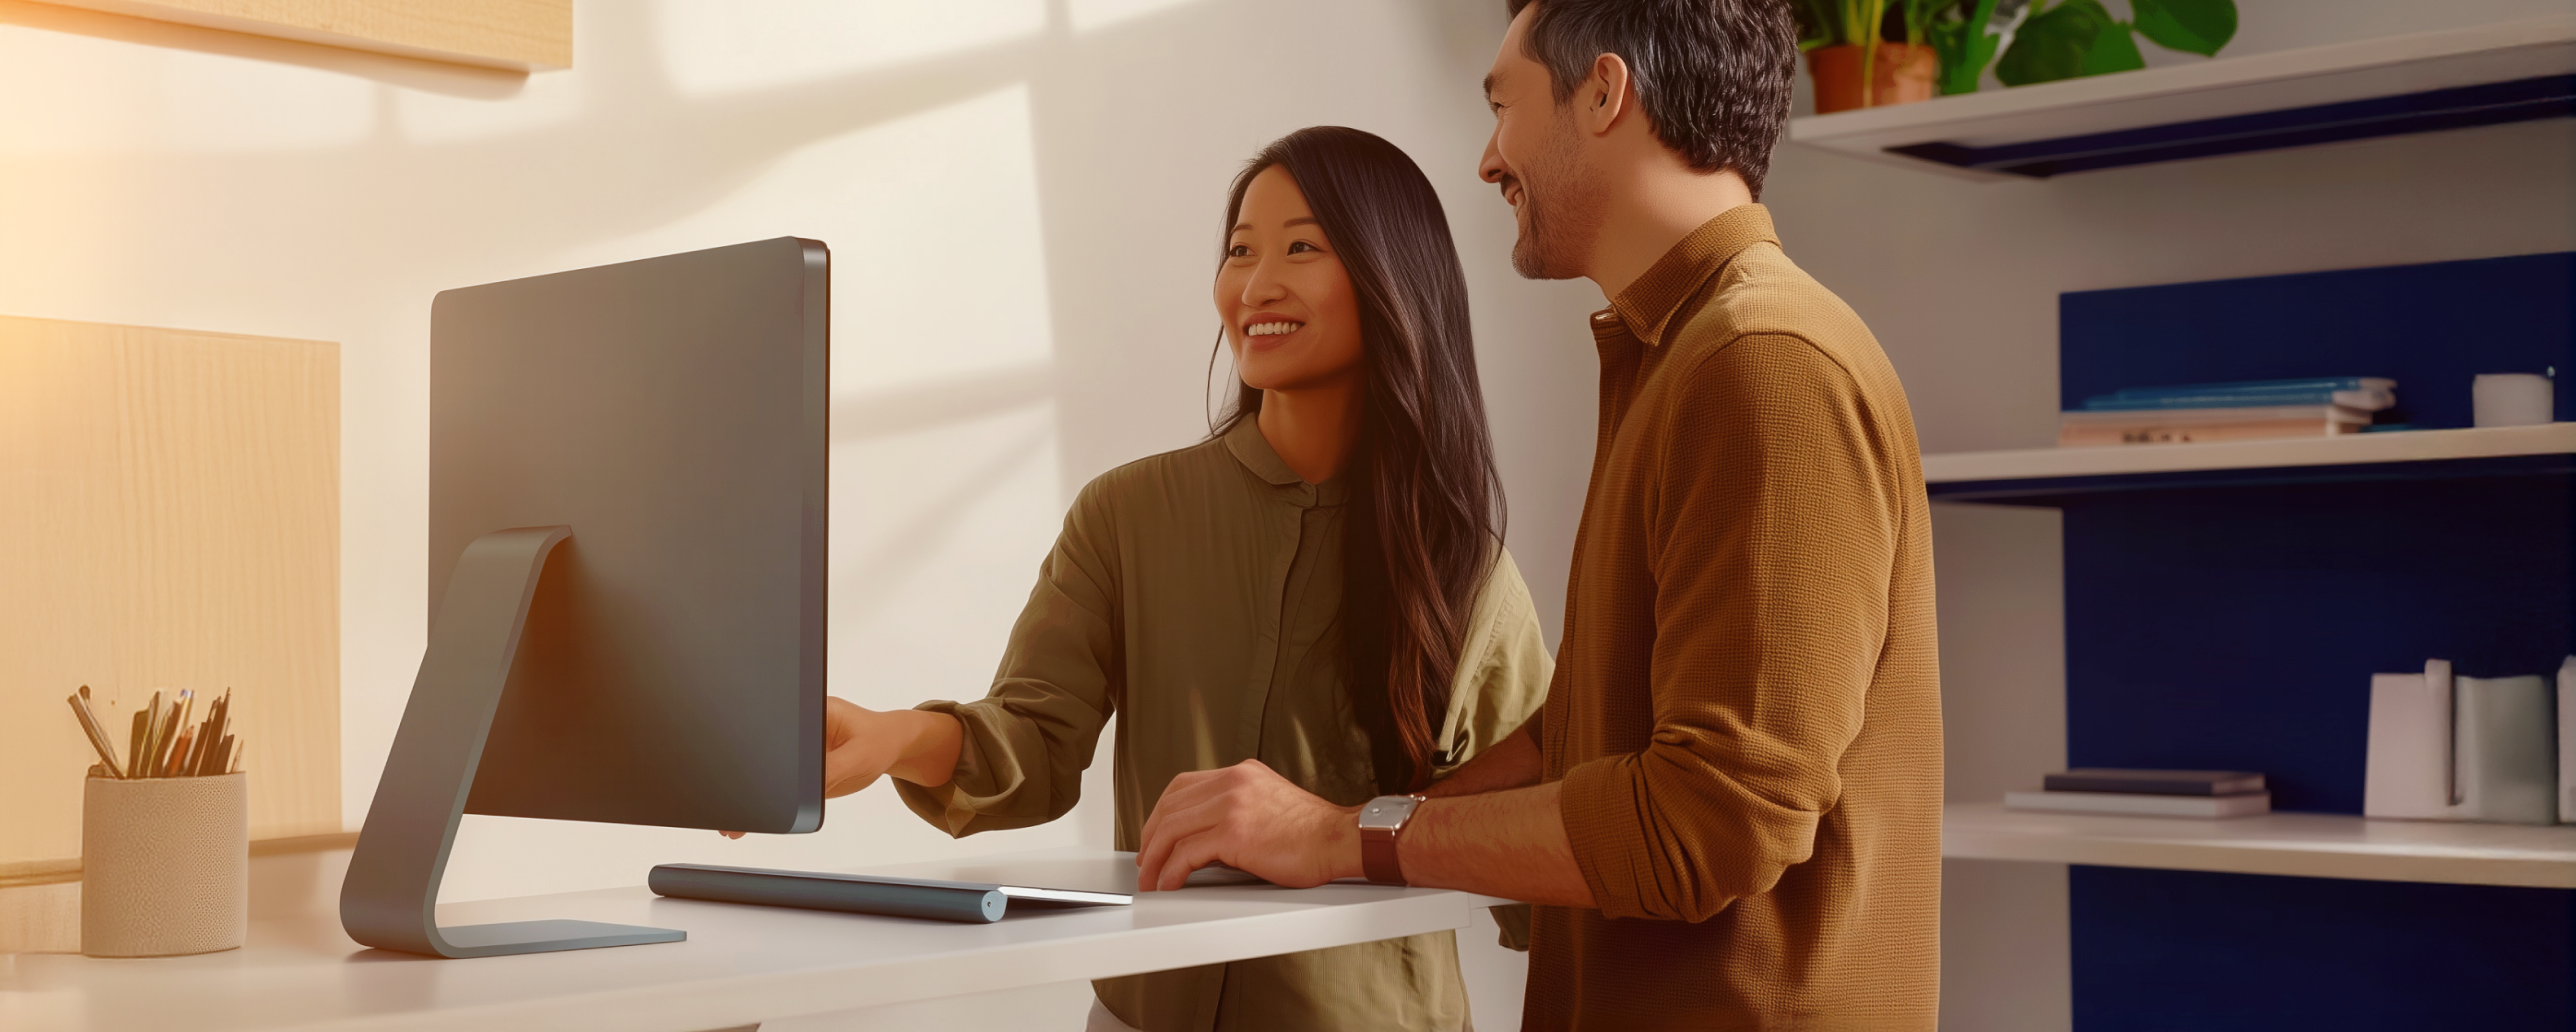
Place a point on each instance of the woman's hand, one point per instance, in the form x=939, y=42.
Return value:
x=861, y=745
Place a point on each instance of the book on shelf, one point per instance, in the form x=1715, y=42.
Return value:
x=2362, y=400
x=2141, y=804
x=2155, y=782
x=2204, y=425
x=2371, y=384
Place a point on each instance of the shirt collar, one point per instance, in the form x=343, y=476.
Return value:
x=1647, y=307
x=1254, y=452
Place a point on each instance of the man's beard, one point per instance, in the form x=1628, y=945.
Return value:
x=1559, y=231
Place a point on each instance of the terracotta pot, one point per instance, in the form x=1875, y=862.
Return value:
x=1904, y=74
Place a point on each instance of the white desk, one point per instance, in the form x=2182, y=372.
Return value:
x=741, y=964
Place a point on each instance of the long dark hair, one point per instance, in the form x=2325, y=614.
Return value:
x=1425, y=506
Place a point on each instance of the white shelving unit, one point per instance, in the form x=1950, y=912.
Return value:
x=2349, y=449
x=2300, y=844
x=2313, y=845
x=2219, y=88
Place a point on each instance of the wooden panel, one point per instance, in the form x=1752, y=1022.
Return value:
x=40, y=918
x=518, y=35
x=40, y=901
x=169, y=518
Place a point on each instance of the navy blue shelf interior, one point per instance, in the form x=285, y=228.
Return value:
x=2163, y=950
x=2520, y=100
x=2237, y=628
x=2232, y=619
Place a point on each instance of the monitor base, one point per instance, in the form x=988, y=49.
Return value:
x=390, y=898
x=509, y=937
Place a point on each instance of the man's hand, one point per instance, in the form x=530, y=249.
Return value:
x=1249, y=817
x=1510, y=843
x=861, y=745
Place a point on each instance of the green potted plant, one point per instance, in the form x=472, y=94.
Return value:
x=1853, y=63
x=1965, y=41
x=2067, y=39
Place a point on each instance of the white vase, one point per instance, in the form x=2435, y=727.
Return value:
x=2510, y=399
x=2507, y=762
x=2409, y=762
x=2462, y=748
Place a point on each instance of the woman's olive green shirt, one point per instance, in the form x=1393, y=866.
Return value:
x=1195, y=595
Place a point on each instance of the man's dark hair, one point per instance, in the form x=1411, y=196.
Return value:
x=1713, y=75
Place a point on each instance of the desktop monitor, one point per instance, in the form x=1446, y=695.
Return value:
x=627, y=527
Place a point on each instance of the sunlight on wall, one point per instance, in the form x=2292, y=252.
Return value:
x=543, y=101
x=944, y=489
x=944, y=463
x=938, y=267
x=717, y=46
x=1094, y=14
x=160, y=100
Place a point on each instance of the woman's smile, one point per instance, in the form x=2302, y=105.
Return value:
x=1268, y=333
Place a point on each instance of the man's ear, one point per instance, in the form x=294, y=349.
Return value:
x=1607, y=94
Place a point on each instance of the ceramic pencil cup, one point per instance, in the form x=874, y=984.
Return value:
x=165, y=865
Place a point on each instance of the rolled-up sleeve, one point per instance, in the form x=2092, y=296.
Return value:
x=1028, y=740
x=1774, y=525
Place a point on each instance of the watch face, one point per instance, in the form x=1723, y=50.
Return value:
x=1386, y=812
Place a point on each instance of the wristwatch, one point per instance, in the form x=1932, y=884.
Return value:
x=1380, y=822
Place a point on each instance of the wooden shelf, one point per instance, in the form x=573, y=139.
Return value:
x=2313, y=845
x=2476, y=75
x=1970, y=476
x=510, y=35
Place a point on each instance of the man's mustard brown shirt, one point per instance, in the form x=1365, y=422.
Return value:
x=1746, y=713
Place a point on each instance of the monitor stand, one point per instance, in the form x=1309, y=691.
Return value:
x=390, y=898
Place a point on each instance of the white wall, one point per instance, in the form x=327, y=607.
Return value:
x=1960, y=281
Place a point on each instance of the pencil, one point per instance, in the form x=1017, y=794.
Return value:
x=97, y=735
x=196, y=749
x=176, y=764
x=220, y=734
x=145, y=761
x=115, y=764
x=187, y=706
x=134, y=747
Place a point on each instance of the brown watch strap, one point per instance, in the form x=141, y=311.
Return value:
x=1377, y=856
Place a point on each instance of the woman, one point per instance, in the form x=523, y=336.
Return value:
x=1320, y=586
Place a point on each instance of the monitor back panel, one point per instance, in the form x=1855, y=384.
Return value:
x=674, y=413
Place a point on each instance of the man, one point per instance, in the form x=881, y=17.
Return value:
x=1729, y=810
